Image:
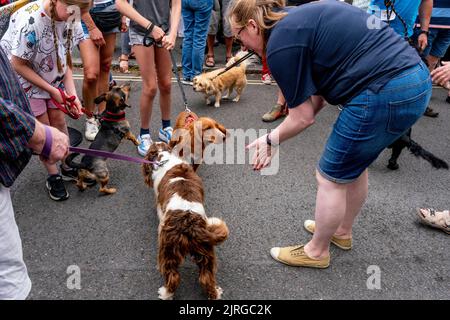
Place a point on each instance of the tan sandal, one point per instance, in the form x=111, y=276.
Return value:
x=209, y=62
x=435, y=219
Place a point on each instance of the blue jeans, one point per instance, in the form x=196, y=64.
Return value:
x=196, y=15
x=372, y=121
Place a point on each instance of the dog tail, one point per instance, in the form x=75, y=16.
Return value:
x=236, y=57
x=418, y=151
x=189, y=231
x=218, y=231
x=69, y=161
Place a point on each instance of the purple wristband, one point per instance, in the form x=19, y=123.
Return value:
x=48, y=143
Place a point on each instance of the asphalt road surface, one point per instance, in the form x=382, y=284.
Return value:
x=111, y=241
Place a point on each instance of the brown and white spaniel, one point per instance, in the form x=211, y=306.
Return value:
x=184, y=228
x=192, y=134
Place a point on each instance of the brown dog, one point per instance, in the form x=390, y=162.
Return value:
x=184, y=228
x=114, y=127
x=212, y=85
x=192, y=134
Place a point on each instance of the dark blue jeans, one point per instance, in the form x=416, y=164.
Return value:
x=196, y=15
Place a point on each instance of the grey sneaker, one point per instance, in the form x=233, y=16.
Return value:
x=277, y=112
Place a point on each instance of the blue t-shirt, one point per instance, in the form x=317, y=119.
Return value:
x=407, y=9
x=325, y=48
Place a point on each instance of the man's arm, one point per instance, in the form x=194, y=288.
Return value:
x=20, y=131
x=16, y=130
x=425, y=10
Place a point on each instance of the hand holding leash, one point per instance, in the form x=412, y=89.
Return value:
x=70, y=105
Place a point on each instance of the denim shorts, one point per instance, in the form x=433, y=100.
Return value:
x=372, y=121
x=136, y=38
x=104, y=7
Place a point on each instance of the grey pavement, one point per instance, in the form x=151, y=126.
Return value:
x=113, y=239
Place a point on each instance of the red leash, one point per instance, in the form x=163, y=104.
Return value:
x=68, y=105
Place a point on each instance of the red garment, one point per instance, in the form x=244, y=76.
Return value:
x=265, y=67
x=4, y=2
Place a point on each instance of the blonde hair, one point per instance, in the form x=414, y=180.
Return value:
x=241, y=11
x=83, y=5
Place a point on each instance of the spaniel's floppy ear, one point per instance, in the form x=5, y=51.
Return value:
x=100, y=98
x=181, y=140
x=147, y=170
x=222, y=129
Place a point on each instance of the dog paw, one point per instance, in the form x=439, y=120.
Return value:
x=393, y=165
x=216, y=105
x=226, y=97
x=236, y=100
x=163, y=294
x=219, y=291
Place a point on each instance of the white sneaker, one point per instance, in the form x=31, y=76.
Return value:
x=144, y=144
x=266, y=78
x=92, y=127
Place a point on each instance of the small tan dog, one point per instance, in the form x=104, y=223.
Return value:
x=211, y=85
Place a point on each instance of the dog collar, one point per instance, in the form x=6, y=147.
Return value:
x=189, y=119
x=113, y=117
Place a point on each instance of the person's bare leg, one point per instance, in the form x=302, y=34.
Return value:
x=163, y=65
x=145, y=58
x=280, y=98
x=106, y=56
x=210, y=45
x=228, y=47
x=432, y=62
x=356, y=197
x=332, y=212
x=91, y=62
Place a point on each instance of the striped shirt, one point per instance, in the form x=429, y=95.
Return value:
x=440, y=18
x=16, y=124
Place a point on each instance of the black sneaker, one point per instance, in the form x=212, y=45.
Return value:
x=431, y=113
x=71, y=174
x=56, y=189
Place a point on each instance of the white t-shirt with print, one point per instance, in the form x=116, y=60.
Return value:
x=30, y=37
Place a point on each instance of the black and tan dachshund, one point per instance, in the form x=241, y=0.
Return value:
x=114, y=127
x=405, y=141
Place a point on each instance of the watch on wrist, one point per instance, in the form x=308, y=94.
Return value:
x=425, y=31
x=269, y=141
